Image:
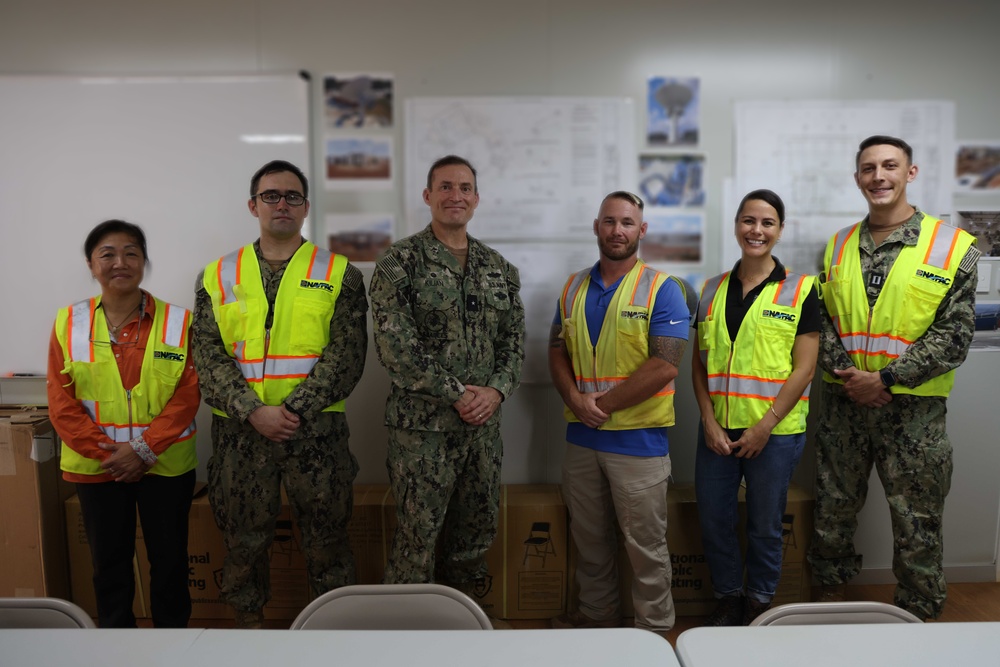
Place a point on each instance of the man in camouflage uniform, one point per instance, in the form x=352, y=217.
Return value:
x=449, y=329
x=889, y=345
x=278, y=419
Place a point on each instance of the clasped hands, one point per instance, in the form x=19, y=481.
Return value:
x=123, y=464
x=477, y=405
x=865, y=388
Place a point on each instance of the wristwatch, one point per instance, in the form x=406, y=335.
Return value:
x=888, y=379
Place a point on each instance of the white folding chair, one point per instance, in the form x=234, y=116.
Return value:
x=393, y=607
x=42, y=613
x=834, y=613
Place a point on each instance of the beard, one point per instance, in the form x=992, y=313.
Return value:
x=618, y=253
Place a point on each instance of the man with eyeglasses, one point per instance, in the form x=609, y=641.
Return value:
x=615, y=347
x=279, y=340
x=449, y=330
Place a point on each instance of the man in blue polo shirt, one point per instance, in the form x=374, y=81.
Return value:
x=616, y=344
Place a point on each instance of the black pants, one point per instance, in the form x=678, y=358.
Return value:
x=109, y=518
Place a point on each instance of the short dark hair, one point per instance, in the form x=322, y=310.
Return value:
x=275, y=167
x=108, y=227
x=625, y=196
x=883, y=139
x=447, y=161
x=767, y=196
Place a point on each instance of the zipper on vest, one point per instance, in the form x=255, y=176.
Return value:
x=128, y=399
x=868, y=337
x=267, y=346
x=729, y=377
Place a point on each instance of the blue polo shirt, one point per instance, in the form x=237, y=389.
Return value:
x=671, y=318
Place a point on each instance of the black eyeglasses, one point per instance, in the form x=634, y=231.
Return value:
x=273, y=197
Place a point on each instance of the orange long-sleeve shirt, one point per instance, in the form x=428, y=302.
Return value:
x=78, y=430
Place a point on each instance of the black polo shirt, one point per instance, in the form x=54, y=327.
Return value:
x=737, y=306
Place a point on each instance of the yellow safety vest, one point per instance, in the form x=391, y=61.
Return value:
x=275, y=362
x=745, y=375
x=917, y=283
x=82, y=332
x=622, y=347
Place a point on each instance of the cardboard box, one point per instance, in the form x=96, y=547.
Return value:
x=32, y=540
x=691, y=581
x=534, y=539
x=370, y=533
x=527, y=573
x=206, y=553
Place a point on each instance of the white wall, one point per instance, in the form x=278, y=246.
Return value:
x=771, y=49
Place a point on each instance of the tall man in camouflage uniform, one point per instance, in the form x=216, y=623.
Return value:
x=898, y=303
x=615, y=347
x=279, y=340
x=449, y=329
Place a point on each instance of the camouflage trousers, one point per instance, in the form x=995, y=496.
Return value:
x=447, y=486
x=907, y=444
x=245, y=476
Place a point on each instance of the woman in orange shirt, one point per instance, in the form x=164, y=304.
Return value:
x=123, y=396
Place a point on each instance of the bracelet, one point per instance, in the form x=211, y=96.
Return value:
x=775, y=413
x=140, y=447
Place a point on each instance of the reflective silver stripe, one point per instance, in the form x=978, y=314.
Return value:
x=838, y=244
x=289, y=367
x=874, y=344
x=788, y=289
x=708, y=295
x=111, y=431
x=940, y=250
x=642, y=294
x=79, y=348
x=227, y=275
x=587, y=386
x=571, y=292
x=322, y=264
x=717, y=384
x=252, y=369
x=189, y=431
x=749, y=387
x=174, y=319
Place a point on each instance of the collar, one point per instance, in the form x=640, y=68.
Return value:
x=908, y=233
x=778, y=273
x=438, y=251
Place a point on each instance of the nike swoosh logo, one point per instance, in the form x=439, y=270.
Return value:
x=676, y=321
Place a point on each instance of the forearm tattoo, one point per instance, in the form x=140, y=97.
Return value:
x=667, y=348
x=555, y=342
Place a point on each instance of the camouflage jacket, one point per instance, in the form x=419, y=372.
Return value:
x=945, y=343
x=438, y=329
x=332, y=378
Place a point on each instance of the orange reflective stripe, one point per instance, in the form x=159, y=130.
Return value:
x=839, y=245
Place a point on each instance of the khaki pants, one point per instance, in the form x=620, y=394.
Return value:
x=598, y=488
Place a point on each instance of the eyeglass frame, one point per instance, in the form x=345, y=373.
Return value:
x=281, y=195
x=109, y=342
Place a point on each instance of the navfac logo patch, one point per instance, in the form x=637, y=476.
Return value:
x=167, y=356
x=315, y=284
x=933, y=277
x=634, y=315
x=778, y=315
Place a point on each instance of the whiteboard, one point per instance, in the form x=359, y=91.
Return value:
x=173, y=155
